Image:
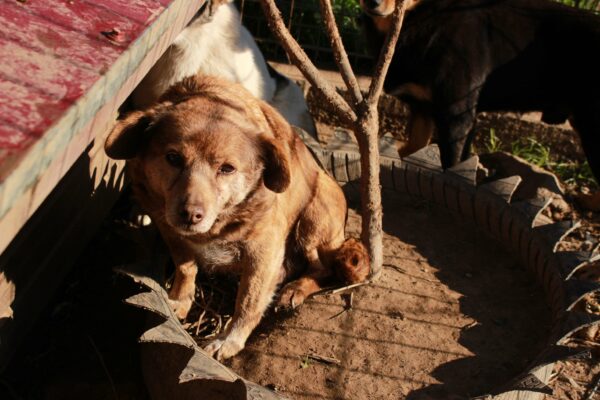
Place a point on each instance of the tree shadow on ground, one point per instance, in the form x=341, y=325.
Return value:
x=511, y=321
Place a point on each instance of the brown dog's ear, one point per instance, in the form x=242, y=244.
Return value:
x=126, y=138
x=279, y=126
x=277, y=174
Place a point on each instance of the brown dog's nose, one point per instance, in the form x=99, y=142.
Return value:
x=191, y=214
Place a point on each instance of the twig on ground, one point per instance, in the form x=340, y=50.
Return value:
x=323, y=359
x=470, y=325
x=571, y=381
x=336, y=290
x=594, y=389
x=200, y=321
x=210, y=302
x=348, y=297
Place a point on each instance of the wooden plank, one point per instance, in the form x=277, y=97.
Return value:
x=84, y=17
x=34, y=32
x=44, y=73
x=41, y=255
x=34, y=167
x=61, y=84
x=29, y=110
x=143, y=11
x=12, y=139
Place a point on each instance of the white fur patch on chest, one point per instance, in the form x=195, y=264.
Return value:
x=217, y=254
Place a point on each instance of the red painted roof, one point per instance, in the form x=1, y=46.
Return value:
x=61, y=61
x=52, y=52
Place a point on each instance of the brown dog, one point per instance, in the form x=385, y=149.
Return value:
x=233, y=188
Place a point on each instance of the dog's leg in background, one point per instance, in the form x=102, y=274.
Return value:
x=257, y=287
x=419, y=130
x=455, y=122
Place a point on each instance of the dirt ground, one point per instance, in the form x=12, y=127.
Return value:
x=453, y=315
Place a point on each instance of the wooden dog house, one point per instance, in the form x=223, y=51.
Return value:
x=67, y=66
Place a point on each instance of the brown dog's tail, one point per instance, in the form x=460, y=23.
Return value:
x=351, y=262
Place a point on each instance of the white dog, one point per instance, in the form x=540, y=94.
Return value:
x=216, y=43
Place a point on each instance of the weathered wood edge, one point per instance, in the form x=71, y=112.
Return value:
x=47, y=161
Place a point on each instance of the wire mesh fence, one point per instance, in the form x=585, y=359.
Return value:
x=303, y=19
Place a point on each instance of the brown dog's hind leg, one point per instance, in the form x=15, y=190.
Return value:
x=351, y=262
x=419, y=130
x=320, y=235
x=294, y=293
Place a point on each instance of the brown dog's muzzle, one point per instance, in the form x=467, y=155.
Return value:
x=190, y=214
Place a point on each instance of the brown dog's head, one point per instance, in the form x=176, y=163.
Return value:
x=202, y=149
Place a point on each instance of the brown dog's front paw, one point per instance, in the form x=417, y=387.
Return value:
x=221, y=349
x=181, y=308
x=292, y=295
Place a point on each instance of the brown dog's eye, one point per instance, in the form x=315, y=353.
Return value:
x=174, y=159
x=226, y=169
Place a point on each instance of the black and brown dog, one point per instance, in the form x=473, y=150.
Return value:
x=455, y=58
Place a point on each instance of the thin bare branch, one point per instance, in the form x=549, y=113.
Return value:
x=301, y=60
x=339, y=52
x=385, y=57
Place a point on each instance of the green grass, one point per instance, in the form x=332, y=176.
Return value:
x=493, y=142
x=593, y=5
x=575, y=173
x=531, y=150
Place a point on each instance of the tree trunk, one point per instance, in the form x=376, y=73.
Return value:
x=362, y=113
x=366, y=132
